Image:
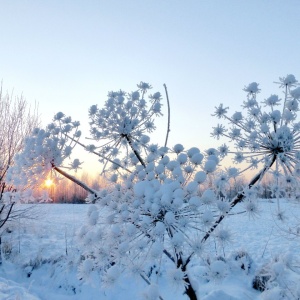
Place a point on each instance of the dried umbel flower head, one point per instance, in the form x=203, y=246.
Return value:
x=124, y=123
x=45, y=149
x=159, y=211
x=263, y=134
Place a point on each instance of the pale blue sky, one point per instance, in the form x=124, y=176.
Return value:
x=67, y=55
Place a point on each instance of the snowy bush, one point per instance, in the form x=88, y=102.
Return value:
x=279, y=279
x=7, y=249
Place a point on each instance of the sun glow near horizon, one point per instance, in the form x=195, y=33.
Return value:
x=49, y=182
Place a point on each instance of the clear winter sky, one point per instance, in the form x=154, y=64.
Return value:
x=67, y=55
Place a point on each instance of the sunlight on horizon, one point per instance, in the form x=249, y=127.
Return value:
x=49, y=182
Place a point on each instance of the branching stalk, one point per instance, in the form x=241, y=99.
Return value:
x=239, y=197
x=7, y=215
x=102, y=156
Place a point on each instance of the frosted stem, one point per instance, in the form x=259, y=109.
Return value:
x=135, y=151
x=74, y=179
x=169, y=115
x=238, y=198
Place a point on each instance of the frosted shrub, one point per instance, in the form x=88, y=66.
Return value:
x=279, y=279
x=218, y=270
x=7, y=249
x=242, y=260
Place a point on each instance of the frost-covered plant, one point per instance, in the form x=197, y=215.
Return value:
x=7, y=249
x=264, y=134
x=121, y=128
x=45, y=151
x=279, y=279
x=158, y=212
x=123, y=123
x=153, y=211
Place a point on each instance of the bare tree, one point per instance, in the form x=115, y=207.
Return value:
x=17, y=120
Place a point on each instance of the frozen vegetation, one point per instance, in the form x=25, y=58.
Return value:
x=167, y=225
x=35, y=264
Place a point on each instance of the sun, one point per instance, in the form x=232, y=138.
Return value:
x=48, y=182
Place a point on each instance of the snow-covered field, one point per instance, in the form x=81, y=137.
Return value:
x=40, y=258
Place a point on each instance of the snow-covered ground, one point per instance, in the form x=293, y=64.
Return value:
x=40, y=257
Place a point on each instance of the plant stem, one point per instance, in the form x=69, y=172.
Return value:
x=238, y=198
x=7, y=215
x=100, y=155
x=134, y=151
x=149, y=283
x=168, y=103
x=189, y=290
x=74, y=179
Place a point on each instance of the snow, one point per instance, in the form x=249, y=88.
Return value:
x=41, y=262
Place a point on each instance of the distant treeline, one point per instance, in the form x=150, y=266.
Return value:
x=66, y=191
